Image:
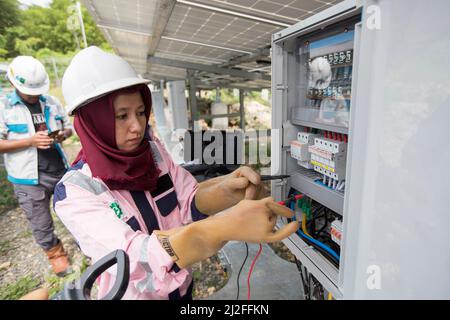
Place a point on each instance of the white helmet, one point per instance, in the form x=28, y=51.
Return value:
x=319, y=73
x=93, y=73
x=28, y=75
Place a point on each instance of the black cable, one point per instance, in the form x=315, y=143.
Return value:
x=300, y=270
x=327, y=255
x=309, y=285
x=324, y=226
x=240, y=270
x=317, y=214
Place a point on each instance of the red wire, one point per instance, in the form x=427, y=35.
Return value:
x=251, y=270
x=296, y=197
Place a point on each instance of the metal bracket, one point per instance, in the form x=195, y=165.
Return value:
x=281, y=87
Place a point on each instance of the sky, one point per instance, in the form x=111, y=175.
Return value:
x=42, y=3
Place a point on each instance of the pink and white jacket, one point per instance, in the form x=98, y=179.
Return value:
x=103, y=220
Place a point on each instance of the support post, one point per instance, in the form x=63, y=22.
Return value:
x=192, y=99
x=241, y=109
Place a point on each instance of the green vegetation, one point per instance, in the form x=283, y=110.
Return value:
x=52, y=35
x=14, y=291
x=7, y=198
x=5, y=246
x=40, y=31
x=55, y=284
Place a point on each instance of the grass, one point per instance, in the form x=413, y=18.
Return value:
x=14, y=291
x=7, y=199
x=5, y=247
x=56, y=284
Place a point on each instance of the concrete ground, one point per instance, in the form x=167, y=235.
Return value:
x=273, y=278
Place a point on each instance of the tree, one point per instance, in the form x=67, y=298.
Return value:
x=38, y=28
x=10, y=14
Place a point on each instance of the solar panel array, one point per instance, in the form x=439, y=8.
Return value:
x=210, y=32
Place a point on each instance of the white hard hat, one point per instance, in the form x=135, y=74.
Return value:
x=28, y=75
x=93, y=73
x=319, y=73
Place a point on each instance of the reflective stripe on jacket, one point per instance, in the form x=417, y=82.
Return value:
x=103, y=220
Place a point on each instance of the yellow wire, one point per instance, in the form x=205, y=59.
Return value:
x=304, y=224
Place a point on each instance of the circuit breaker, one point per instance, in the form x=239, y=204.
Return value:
x=332, y=78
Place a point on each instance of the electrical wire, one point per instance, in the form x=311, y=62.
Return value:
x=326, y=254
x=320, y=244
x=240, y=270
x=292, y=207
x=325, y=250
x=323, y=227
x=304, y=224
x=251, y=270
x=288, y=200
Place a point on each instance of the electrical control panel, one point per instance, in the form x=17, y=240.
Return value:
x=319, y=73
x=312, y=79
x=355, y=108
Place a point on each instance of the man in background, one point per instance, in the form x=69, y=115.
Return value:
x=32, y=127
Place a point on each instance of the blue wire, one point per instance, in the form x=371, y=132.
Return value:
x=318, y=243
x=293, y=208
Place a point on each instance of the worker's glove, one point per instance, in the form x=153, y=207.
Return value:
x=249, y=220
x=223, y=192
x=254, y=221
x=243, y=183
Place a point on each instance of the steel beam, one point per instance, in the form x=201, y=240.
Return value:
x=164, y=13
x=208, y=68
x=123, y=29
x=262, y=52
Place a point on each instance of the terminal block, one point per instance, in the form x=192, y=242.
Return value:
x=336, y=231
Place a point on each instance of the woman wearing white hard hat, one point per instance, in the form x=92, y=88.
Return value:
x=32, y=126
x=125, y=192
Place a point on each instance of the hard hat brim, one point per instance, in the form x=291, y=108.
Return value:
x=30, y=91
x=102, y=91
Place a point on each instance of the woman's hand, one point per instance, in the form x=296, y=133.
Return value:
x=220, y=193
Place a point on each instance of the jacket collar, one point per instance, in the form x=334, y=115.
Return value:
x=15, y=98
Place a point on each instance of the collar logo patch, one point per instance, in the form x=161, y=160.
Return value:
x=117, y=210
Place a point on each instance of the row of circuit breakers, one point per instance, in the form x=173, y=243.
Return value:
x=326, y=154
